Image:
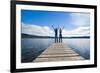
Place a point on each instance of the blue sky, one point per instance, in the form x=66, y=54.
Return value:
x=45, y=19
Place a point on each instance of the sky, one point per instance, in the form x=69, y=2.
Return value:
x=37, y=22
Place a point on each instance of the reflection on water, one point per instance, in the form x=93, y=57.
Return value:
x=32, y=47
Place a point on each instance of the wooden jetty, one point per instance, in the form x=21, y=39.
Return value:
x=58, y=52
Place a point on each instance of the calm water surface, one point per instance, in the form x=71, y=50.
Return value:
x=33, y=47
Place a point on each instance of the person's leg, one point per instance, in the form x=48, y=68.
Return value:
x=61, y=39
x=55, y=38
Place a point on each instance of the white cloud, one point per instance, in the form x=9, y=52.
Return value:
x=80, y=19
x=80, y=31
x=37, y=30
x=46, y=31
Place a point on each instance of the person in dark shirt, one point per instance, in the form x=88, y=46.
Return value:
x=60, y=34
x=56, y=34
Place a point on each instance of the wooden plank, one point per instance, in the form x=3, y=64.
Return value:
x=58, y=59
x=58, y=55
x=58, y=52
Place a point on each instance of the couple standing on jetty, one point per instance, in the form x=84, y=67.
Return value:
x=58, y=39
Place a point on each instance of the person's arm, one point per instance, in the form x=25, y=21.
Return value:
x=62, y=28
x=52, y=26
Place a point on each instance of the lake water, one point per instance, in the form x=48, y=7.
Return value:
x=33, y=47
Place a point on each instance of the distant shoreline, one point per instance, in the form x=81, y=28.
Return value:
x=34, y=36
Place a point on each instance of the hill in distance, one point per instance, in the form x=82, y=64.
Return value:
x=23, y=35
